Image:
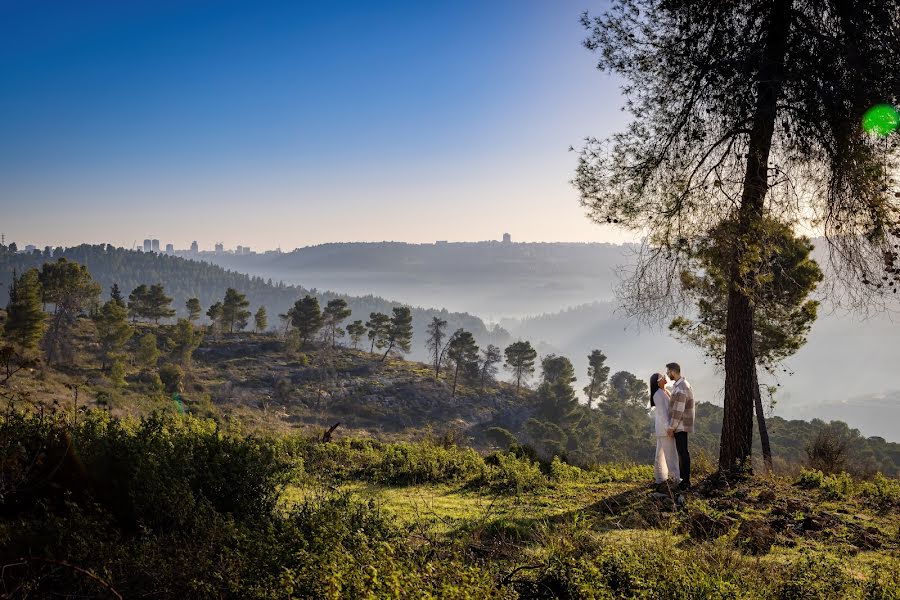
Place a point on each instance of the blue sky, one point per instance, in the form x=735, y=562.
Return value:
x=293, y=123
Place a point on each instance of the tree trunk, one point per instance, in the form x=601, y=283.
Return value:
x=455, y=377
x=740, y=363
x=761, y=423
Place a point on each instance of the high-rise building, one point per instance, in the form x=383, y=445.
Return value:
x=155, y=245
x=507, y=239
x=240, y=250
x=147, y=246
x=170, y=249
x=194, y=247
x=30, y=248
x=220, y=248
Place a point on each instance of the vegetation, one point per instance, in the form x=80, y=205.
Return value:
x=238, y=466
x=175, y=506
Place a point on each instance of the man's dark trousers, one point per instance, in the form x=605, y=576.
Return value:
x=684, y=457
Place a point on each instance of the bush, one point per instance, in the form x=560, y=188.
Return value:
x=827, y=451
x=833, y=487
x=172, y=376
x=405, y=464
x=507, y=473
x=562, y=471
x=882, y=493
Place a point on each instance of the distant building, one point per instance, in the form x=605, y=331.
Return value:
x=148, y=247
x=220, y=248
x=155, y=245
x=240, y=250
x=30, y=248
x=440, y=242
x=194, y=247
x=170, y=249
x=247, y=250
x=507, y=239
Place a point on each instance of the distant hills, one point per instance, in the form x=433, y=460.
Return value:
x=546, y=293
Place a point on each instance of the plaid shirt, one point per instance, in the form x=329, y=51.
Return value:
x=681, y=407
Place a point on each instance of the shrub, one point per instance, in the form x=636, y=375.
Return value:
x=882, y=493
x=811, y=479
x=507, y=473
x=171, y=376
x=562, y=471
x=404, y=464
x=500, y=437
x=827, y=451
x=833, y=487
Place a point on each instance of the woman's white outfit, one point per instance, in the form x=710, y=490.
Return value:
x=666, y=464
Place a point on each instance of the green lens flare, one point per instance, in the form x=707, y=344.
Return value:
x=881, y=119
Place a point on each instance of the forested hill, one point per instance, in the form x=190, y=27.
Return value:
x=184, y=278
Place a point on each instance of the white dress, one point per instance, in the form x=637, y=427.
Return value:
x=666, y=464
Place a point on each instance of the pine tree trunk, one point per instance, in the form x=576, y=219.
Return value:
x=761, y=423
x=740, y=364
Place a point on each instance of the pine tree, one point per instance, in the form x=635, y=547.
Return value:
x=399, y=331
x=356, y=330
x=261, y=319
x=435, y=343
x=117, y=371
x=185, y=339
x=463, y=351
x=193, y=308
x=307, y=318
x=137, y=302
x=598, y=373
x=147, y=353
x=335, y=313
x=557, y=401
x=25, y=318
x=784, y=312
x=113, y=331
x=158, y=305
x=491, y=357
x=520, y=357
x=234, y=310
x=378, y=325
x=75, y=292
x=115, y=294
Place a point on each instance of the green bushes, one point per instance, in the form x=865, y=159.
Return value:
x=400, y=463
x=507, y=473
x=881, y=492
x=404, y=464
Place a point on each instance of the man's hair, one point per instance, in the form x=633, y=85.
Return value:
x=674, y=366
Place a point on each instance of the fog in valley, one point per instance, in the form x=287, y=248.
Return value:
x=561, y=297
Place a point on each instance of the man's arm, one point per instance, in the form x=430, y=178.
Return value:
x=676, y=408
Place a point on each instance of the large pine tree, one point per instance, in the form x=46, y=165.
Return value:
x=25, y=317
x=745, y=111
x=113, y=331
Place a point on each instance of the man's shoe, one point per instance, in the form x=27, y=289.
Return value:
x=684, y=487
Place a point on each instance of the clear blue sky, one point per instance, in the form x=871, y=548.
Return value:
x=292, y=123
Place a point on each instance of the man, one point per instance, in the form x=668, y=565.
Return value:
x=681, y=420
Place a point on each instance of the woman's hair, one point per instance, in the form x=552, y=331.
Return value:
x=654, y=385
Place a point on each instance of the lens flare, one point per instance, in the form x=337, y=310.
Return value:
x=881, y=119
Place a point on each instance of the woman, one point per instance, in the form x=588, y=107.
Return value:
x=666, y=465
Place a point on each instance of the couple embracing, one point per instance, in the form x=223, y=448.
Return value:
x=673, y=400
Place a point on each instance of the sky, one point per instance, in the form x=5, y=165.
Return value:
x=286, y=124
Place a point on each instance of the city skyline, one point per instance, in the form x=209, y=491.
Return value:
x=280, y=125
